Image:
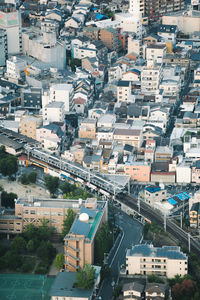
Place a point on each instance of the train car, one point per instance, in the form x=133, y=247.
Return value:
x=104, y=193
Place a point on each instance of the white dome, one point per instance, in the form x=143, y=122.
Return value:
x=83, y=217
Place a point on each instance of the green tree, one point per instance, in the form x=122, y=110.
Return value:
x=12, y=260
x=46, y=250
x=117, y=291
x=85, y=278
x=18, y=244
x=32, y=176
x=68, y=221
x=59, y=261
x=30, y=246
x=30, y=232
x=51, y=183
x=8, y=165
x=7, y=199
x=24, y=179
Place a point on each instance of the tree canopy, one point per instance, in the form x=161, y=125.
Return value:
x=68, y=221
x=59, y=261
x=8, y=164
x=51, y=183
x=85, y=278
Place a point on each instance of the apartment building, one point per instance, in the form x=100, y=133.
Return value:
x=151, y=76
x=3, y=47
x=87, y=129
x=131, y=137
x=62, y=92
x=196, y=172
x=123, y=90
x=109, y=37
x=163, y=154
x=195, y=215
x=154, y=194
x=29, y=125
x=139, y=171
x=53, y=112
x=165, y=261
x=155, y=52
x=14, y=67
x=91, y=32
x=79, y=242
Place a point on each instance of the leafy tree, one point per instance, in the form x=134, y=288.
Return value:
x=18, y=244
x=68, y=221
x=67, y=187
x=32, y=176
x=154, y=278
x=7, y=199
x=30, y=246
x=85, y=278
x=12, y=260
x=9, y=165
x=59, y=261
x=117, y=291
x=46, y=250
x=30, y=232
x=51, y=183
x=24, y=179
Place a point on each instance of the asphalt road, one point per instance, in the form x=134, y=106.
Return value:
x=132, y=235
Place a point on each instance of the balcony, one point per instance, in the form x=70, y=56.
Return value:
x=72, y=265
x=73, y=248
x=72, y=256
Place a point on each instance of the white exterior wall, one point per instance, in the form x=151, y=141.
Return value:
x=183, y=174
x=150, y=80
x=14, y=66
x=11, y=22
x=104, y=136
x=155, y=54
x=123, y=93
x=176, y=266
x=62, y=93
x=53, y=114
x=134, y=45
x=130, y=76
x=186, y=24
x=80, y=53
x=133, y=264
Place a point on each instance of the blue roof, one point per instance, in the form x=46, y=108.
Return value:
x=80, y=228
x=153, y=189
x=136, y=71
x=99, y=16
x=172, y=201
x=183, y=196
x=189, y=43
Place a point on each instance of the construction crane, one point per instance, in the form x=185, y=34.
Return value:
x=26, y=69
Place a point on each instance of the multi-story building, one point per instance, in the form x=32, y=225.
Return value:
x=33, y=211
x=155, y=53
x=138, y=171
x=14, y=67
x=109, y=37
x=79, y=242
x=11, y=23
x=123, y=90
x=29, y=124
x=32, y=98
x=131, y=137
x=87, y=129
x=53, y=112
x=154, y=194
x=3, y=47
x=151, y=76
x=196, y=172
x=147, y=260
x=91, y=32
x=163, y=154
x=63, y=93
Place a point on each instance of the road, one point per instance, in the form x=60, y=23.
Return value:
x=132, y=235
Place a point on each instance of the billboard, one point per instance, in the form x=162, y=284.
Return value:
x=9, y=19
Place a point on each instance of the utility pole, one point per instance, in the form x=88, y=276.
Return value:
x=189, y=242
x=138, y=204
x=165, y=222
x=129, y=187
x=89, y=176
x=181, y=219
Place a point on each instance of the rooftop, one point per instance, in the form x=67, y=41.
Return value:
x=144, y=250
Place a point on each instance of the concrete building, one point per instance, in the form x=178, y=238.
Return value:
x=53, y=112
x=29, y=125
x=10, y=21
x=155, y=53
x=3, y=47
x=63, y=93
x=186, y=22
x=154, y=194
x=133, y=290
x=79, y=242
x=138, y=171
x=151, y=76
x=196, y=172
x=131, y=137
x=163, y=154
x=52, y=133
x=109, y=37
x=123, y=90
x=147, y=260
x=195, y=215
x=44, y=47
x=14, y=67
x=87, y=129
x=183, y=172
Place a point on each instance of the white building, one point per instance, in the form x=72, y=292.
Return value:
x=167, y=261
x=53, y=112
x=151, y=76
x=14, y=66
x=184, y=172
x=135, y=46
x=155, y=53
x=11, y=22
x=44, y=47
x=3, y=47
x=123, y=91
x=106, y=120
x=62, y=92
x=170, y=87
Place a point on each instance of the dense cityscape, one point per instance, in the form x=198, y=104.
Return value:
x=99, y=150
